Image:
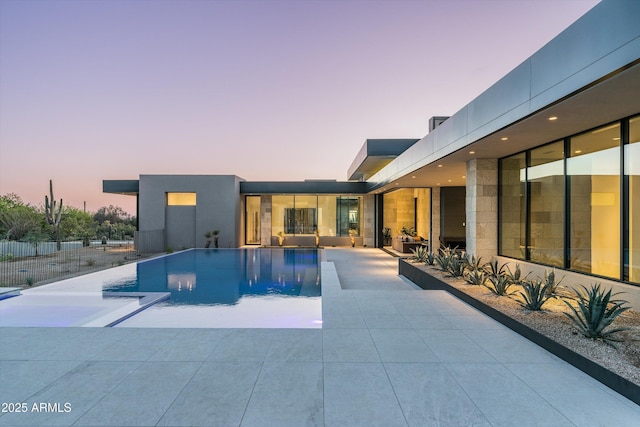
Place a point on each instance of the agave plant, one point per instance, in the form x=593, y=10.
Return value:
x=595, y=312
x=457, y=265
x=420, y=253
x=552, y=287
x=444, y=258
x=494, y=270
x=476, y=276
x=499, y=285
x=430, y=259
x=534, y=294
x=475, y=263
x=516, y=275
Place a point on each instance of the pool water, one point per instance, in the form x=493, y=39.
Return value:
x=226, y=276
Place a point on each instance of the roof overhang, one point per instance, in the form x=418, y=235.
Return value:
x=376, y=154
x=129, y=187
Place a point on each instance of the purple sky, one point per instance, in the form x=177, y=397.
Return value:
x=266, y=90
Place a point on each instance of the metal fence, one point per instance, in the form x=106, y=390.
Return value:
x=29, y=263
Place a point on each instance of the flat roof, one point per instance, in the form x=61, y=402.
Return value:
x=376, y=154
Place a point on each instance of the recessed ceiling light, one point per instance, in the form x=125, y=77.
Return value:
x=552, y=118
x=438, y=184
x=414, y=177
x=616, y=139
x=504, y=138
x=449, y=180
x=472, y=152
x=439, y=166
x=464, y=177
x=578, y=151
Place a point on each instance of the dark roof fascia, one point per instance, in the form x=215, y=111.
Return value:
x=303, y=187
x=121, y=186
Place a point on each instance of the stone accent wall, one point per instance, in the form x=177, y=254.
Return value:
x=265, y=220
x=482, y=207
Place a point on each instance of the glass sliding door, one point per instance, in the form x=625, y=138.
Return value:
x=593, y=168
x=252, y=220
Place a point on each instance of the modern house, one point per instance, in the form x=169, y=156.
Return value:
x=542, y=168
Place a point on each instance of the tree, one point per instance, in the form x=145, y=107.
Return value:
x=113, y=214
x=77, y=224
x=18, y=219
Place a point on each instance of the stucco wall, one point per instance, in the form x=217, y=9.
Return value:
x=217, y=208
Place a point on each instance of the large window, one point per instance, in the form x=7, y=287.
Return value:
x=632, y=177
x=512, y=214
x=302, y=214
x=545, y=176
x=593, y=168
x=571, y=204
x=181, y=199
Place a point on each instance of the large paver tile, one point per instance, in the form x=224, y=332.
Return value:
x=429, y=396
x=359, y=394
x=243, y=345
x=217, y=395
x=81, y=388
x=453, y=346
x=190, y=345
x=348, y=345
x=287, y=394
x=503, y=397
x=401, y=345
x=20, y=379
x=579, y=397
x=143, y=397
x=301, y=345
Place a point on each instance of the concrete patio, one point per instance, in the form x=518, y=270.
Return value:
x=389, y=354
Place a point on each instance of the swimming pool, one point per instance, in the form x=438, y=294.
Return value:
x=247, y=287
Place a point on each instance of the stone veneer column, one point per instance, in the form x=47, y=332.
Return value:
x=368, y=230
x=265, y=220
x=435, y=219
x=482, y=208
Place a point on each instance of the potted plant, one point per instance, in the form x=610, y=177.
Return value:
x=386, y=235
x=352, y=236
x=280, y=238
x=215, y=237
x=208, y=236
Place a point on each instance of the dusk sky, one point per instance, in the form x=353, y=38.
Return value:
x=266, y=90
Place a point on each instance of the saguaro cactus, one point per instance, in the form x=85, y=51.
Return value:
x=53, y=217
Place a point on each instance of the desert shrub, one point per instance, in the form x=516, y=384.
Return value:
x=595, y=312
x=30, y=280
x=90, y=262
